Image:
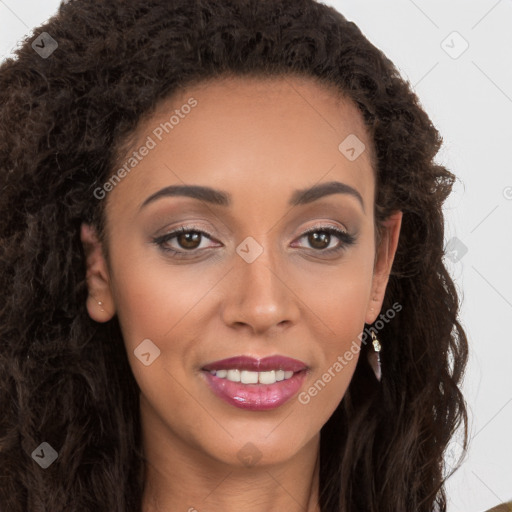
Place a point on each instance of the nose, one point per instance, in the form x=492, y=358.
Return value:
x=259, y=295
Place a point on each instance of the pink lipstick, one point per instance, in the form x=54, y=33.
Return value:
x=255, y=384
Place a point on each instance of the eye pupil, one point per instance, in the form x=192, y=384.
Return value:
x=189, y=237
x=320, y=237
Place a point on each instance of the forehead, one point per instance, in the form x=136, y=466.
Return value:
x=252, y=132
x=263, y=100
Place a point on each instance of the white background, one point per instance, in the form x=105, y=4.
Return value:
x=469, y=99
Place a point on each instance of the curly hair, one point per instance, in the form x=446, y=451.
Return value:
x=66, y=380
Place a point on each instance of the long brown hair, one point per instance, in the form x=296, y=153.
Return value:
x=66, y=381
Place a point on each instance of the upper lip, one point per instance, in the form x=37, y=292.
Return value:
x=276, y=362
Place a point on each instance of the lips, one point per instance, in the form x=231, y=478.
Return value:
x=256, y=396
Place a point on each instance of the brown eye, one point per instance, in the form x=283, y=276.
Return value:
x=187, y=243
x=319, y=241
x=189, y=240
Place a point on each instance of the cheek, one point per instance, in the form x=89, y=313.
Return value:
x=337, y=354
x=339, y=303
x=339, y=295
x=154, y=299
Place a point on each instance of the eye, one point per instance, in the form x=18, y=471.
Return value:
x=187, y=238
x=320, y=237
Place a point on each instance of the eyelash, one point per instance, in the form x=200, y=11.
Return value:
x=346, y=239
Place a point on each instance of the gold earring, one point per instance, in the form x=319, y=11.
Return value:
x=374, y=357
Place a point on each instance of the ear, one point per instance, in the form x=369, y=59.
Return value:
x=100, y=303
x=385, y=255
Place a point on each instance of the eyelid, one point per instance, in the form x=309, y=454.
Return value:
x=196, y=228
x=323, y=225
x=184, y=228
x=346, y=239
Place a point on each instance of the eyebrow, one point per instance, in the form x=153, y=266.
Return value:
x=221, y=198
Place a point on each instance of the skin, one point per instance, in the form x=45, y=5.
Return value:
x=259, y=140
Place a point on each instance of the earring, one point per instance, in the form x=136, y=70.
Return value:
x=374, y=357
x=100, y=304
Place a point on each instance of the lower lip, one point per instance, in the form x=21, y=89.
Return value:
x=256, y=397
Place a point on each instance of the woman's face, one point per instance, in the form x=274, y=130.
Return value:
x=243, y=281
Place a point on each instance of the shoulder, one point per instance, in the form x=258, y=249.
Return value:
x=504, y=507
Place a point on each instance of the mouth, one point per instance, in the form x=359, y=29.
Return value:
x=255, y=384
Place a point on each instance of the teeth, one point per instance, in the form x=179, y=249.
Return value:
x=249, y=377
x=267, y=377
x=233, y=375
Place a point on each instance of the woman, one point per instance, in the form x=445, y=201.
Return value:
x=222, y=266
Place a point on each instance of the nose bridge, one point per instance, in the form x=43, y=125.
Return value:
x=258, y=294
x=259, y=269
